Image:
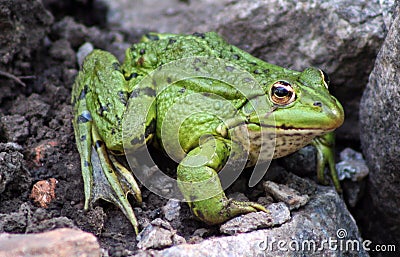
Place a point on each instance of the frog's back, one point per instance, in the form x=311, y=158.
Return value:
x=158, y=49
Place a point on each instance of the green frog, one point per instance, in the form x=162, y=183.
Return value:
x=224, y=106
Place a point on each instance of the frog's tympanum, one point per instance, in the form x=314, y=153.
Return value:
x=299, y=103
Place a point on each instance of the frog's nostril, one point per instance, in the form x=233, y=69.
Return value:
x=319, y=104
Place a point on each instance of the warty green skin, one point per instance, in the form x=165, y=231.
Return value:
x=104, y=89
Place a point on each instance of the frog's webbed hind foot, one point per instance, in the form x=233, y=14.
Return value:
x=113, y=181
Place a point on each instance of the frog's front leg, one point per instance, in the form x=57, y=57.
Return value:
x=326, y=156
x=200, y=185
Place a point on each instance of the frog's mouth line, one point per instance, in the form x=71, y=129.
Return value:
x=291, y=128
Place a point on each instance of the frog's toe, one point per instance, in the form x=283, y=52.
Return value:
x=127, y=180
x=239, y=207
x=113, y=186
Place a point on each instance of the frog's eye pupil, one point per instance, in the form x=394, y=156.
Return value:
x=282, y=93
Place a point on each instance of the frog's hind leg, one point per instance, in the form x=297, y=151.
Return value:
x=113, y=181
x=83, y=135
x=100, y=95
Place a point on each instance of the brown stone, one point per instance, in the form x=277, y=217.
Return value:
x=59, y=242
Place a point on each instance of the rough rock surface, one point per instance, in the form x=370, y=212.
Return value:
x=158, y=234
x=162, y=16
x=324, y=217
x=380, y=129
x=13, y=174
x=61, y=242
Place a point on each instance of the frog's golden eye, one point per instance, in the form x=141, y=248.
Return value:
x=282, y=93
x=325, y=77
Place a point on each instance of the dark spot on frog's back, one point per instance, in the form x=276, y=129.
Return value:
x=84, y=117
x=169, y=80
x=317, y=103
x=229, y=68
x=135, y=93
x=137, y=140
x=98, y=144
x=235, y=57
x=147, y=91
x=83, y=93
x=102, y=109
x=200, y=35
x=171, y=41
x=247, y=80
x=196, y=60
x=150, y=128
x=123, y=97
x=152, y=37
x=116, y=66
x=131, y=76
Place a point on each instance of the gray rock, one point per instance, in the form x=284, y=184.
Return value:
x=351, y=166
x=157, y=235
x=352, y=170
x=83, y=51
x=380, y=130
x=278, y=214
x=13, y=173
x=285, y=194
x=388, y=8
x=171, y=209
x=325, y=217
x=162, y=16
